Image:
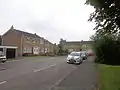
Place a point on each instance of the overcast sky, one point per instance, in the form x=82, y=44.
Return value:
x=51, y=19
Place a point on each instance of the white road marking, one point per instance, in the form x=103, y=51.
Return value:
x=13, y=60
x=37, y=70
x=3, y=82
x=60, y=80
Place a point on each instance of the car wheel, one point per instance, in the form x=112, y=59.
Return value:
x=68, y=62
x=3, y=61
x=81, y=61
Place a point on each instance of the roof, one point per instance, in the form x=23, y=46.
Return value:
x=78, y=42
x=86, y=42
x=27, y=34
x=31, y=35
x=19, y=32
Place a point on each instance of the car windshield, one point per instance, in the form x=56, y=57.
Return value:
x=75, y=54
x=82, y=53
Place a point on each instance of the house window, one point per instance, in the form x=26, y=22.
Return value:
x=42, y=50
x=27, y=39
x=37, y=40
x=27, y=50
x=41, y=41
x=46, y=50
x=32, y=40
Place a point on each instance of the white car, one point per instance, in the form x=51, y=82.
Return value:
x=3, y=58
x=74, y=58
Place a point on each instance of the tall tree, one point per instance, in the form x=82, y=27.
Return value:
x=106, y=15
x=60, y=49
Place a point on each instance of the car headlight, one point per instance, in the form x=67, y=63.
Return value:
x=68, y=58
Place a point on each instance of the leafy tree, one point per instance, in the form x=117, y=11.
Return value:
x=66, y=51
x=60, y=49
x=107, y=37
x=106, y=15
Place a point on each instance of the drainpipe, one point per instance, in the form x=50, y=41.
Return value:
x=21, y=47
x=44, y=46
x=1, y=41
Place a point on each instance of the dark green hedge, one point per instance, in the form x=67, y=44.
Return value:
x=107, y=50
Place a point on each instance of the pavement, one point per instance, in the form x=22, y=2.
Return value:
x=47, y=73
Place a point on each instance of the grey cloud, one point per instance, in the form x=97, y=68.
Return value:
x=42, y=26
x=45, y=29
x=49, y=23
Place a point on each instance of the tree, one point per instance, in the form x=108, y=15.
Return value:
x=55, y=49
x=106, y=41
x=60, y=51
x=106, y=15
x=117, y=3
x=107, y=49
x=66, y=51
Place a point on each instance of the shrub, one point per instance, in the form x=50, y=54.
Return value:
x=107, y=50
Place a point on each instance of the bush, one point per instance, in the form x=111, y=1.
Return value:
x=107, y=50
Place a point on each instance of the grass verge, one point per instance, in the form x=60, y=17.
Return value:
x=109, y=77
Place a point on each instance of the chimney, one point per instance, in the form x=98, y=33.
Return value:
x=35, y=34
x=11, y=28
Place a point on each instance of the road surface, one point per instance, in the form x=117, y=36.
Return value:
x=47, y=73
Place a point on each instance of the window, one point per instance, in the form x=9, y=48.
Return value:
x=41, y=41
x=27, y=39
x=45, y=49
x=27, y=50
x=42, y=50
x=36, y=50
x=33, y=40
x=75, y=54
x=37, y=41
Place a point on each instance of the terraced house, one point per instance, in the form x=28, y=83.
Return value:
x=76, y=45
x=27, y=43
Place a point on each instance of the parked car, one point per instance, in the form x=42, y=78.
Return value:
x=90, y=53
x=84, y=55
x=74, y=58
x=2, y=57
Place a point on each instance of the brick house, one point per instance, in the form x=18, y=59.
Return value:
x=76, y=45
x=27, y=43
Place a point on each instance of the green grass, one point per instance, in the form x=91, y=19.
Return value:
x=109, y=77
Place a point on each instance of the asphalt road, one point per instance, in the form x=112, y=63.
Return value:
x=47, y=73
